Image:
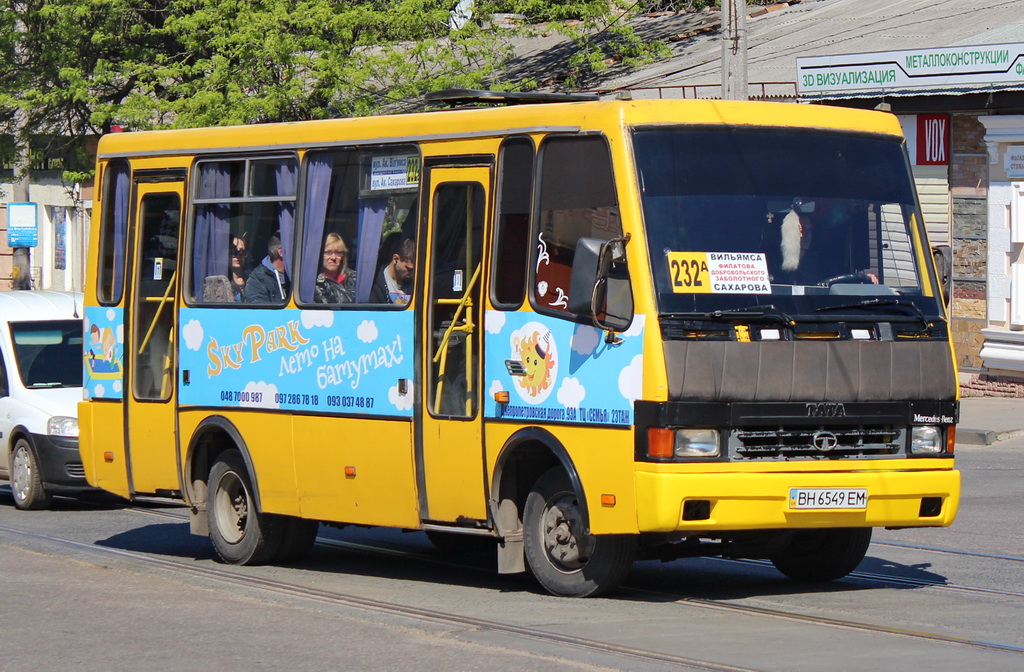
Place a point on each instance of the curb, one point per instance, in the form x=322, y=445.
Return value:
x=985, y=437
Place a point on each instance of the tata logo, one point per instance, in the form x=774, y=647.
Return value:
x=824, y=410
x=824, y=441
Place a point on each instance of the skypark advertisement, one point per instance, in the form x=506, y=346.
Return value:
x=947, y=67
x=301, y=360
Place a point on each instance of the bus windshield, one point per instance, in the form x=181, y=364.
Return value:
x=807, y=224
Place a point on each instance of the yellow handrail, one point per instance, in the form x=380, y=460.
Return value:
x=163, y=301
x=441, y=356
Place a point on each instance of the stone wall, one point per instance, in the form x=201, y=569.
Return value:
x=985, y=385
x=968, y=183
x=968, y=160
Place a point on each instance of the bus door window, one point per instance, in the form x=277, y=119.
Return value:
x=577, y=200
x=512, y=228
x=362, y=203
x=455, y=297
x=114, y=231
x=243, y=230
x=153, y=351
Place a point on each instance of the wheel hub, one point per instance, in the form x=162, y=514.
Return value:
x=564, y=540
x=21, y=474
x=232, y=504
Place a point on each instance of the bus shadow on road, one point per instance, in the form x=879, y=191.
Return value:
x=723, y=579
x=391, y=554
x=168, y=539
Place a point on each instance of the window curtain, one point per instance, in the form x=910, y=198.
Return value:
x=371, y=224
x=121, y=191
x=210, y=256
x=286, y=178
x=318, y=191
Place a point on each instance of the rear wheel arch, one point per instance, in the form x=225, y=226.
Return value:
x=213, y=436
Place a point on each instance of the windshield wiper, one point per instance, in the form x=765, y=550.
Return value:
x=769, y=312
x=909, y=306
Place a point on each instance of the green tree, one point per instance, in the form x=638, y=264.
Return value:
x=91, y=64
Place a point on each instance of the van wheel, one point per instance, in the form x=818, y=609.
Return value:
x=240, y=533
x=562, y=555
x=26, y=484
x=823, y=555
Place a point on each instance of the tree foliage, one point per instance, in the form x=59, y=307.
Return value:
x=78, y=67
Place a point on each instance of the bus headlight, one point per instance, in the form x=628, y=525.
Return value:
x=665, y=443
x=926, y=440
x=61, y=425
x=696, y=443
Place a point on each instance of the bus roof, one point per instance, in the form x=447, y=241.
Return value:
x=494, y=121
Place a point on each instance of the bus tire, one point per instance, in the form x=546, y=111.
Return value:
x=297, y=540
x=563, y=557
x=241, y=534
x=823, y=555
x=26, y=484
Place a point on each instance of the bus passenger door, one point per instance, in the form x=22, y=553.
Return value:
x=450, y=454
x=150, y=393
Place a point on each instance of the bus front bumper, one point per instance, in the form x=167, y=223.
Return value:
x=758, y=500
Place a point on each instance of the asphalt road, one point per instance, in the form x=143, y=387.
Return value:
x=91, y=585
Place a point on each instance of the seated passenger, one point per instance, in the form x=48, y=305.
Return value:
x=239, y=269
x=336, y=282
x=268, y=282
x=393, y=283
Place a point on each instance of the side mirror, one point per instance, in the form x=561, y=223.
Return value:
x=599, y=285
x=943, y=256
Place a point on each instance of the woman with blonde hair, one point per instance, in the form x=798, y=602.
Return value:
x=336, y=282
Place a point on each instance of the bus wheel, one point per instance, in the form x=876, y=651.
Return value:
x=26, y=485
x=297, y=539
x=564, y=558
x=823, y=555
x=241, y=535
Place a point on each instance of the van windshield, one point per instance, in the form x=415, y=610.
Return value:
x=808, y=224
x=48, y=353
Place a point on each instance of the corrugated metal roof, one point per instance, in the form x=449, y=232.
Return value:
x=814, y=28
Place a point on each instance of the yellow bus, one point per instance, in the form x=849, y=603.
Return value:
x=586, y=330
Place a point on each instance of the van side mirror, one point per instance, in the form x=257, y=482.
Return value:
x=599, y=285
x=943, y=256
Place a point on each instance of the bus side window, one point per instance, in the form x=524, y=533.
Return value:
x=512, y=230
x=349, y=206
x=242, y=206
x=114, y=231
x=577, y=200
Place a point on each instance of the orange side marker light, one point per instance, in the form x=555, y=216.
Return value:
x=661, y=442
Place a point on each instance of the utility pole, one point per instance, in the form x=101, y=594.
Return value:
x=21, y=276
x=734, y=50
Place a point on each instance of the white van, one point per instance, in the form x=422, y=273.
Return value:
x=40, y=387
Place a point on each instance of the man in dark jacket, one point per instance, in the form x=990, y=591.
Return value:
x=393, y=283
x=268, y=282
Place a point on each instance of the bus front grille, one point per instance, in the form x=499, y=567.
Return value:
x=816, y=443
